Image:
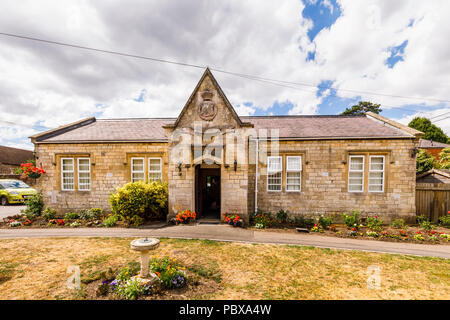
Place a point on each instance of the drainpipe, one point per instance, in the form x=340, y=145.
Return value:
x=256, y=173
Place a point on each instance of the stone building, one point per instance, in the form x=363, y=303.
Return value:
x=216, y=162
x=11, y=158
x=432, y=147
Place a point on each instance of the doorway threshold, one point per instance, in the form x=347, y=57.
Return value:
x=208, y=221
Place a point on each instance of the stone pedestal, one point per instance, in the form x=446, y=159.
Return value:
x=144, y=246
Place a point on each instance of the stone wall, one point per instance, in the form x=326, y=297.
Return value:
x=110, y=168
x=324, y=179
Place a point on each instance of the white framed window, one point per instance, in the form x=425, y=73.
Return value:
x=356, y=174
x=137, y=169
x=274, y=169
x=376, y=173
x=67, y=174
x=293, y=173
x=84, y=174
x=154, y=169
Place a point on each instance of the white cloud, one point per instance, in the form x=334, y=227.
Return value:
x=56, y=85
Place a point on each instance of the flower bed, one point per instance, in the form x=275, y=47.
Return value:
x=373, y=227
x=125, y=284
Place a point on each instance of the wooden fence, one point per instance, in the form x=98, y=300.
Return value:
x=432, y=200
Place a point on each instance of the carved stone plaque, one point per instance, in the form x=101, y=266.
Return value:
x=207, y=108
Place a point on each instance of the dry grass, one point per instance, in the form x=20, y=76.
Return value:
x=36, y=269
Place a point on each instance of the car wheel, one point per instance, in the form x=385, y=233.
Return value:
x=4, y=201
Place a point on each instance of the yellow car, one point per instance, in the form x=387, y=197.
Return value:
x=14, y=191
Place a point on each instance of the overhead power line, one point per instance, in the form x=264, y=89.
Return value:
x=282, y=83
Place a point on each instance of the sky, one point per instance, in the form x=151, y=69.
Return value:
x=338, y=52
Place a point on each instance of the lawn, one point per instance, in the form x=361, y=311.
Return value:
x=36, y=269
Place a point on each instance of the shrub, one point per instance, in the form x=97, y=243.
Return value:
x=263, y=220
x=111, y=220
x=84, y=214
x=49, y=214
x=71, y=216
x=372, y=234
x=351, y=220
x=304, y=222
x=95, y=213
x=282, y=217
x=398, y=224
x=145, y=200
x=375, y=223
x=445, y=221
x=169, y=271
x=34, y=204
x=325, y=222
x=14, y=223
x=425, y=224
x=75, y=224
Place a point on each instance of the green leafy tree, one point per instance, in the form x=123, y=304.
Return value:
x=432, y=132
x=361, y=108
x=424, y=161
x=444, y=156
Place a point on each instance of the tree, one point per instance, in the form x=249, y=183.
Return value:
x=432, y=132
x=424, y=161
x=444, y=156
x=361, y=108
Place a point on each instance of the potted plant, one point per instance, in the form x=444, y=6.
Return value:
x=30, y=170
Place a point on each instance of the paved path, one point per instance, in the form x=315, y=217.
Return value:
x=6, y=211
x=228, y=233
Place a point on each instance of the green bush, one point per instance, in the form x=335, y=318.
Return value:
x=84, y=214
x=71, y=216
x=325, y=222
x=301, y=221
x=111, y=221
x=351, y=220
x=145, y=200
x=445, y=221
x=282, y=217
x=35, y=205
x=95, y=213
x=49, y=213
x=398, y=224
x=375, y=223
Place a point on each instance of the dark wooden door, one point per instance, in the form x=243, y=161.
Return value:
x=207, y=192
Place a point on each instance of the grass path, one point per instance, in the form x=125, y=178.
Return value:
x=36, y=269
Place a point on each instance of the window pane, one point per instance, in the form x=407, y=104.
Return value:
x=155, y=176
x=137, y=176
x=155, y=165
x=293, y=181
x=138, y=165
x=356, y=163
x=376, y=188
x=293, y=163
x=376, y=163
x=376, y=174
x=67, y=164
x=83, y=164
x=355, y=187
x=274, y=164
x=274, y=181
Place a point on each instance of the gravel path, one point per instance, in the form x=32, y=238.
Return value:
x=228, y=233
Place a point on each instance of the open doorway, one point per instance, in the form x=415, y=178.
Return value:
x=207, y=192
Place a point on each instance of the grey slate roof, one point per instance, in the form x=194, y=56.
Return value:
x=290, y=127
x=428, y=144
x=14, y=156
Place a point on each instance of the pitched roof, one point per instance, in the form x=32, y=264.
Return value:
x=429, y=144
x=221, y=93
x=99, y=130
x=326, y=127
x=14, y=156
x=290, y=127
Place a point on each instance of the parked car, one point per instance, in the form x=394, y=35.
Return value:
x=14, y=191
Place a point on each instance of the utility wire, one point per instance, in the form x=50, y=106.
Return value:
x=250, y=77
